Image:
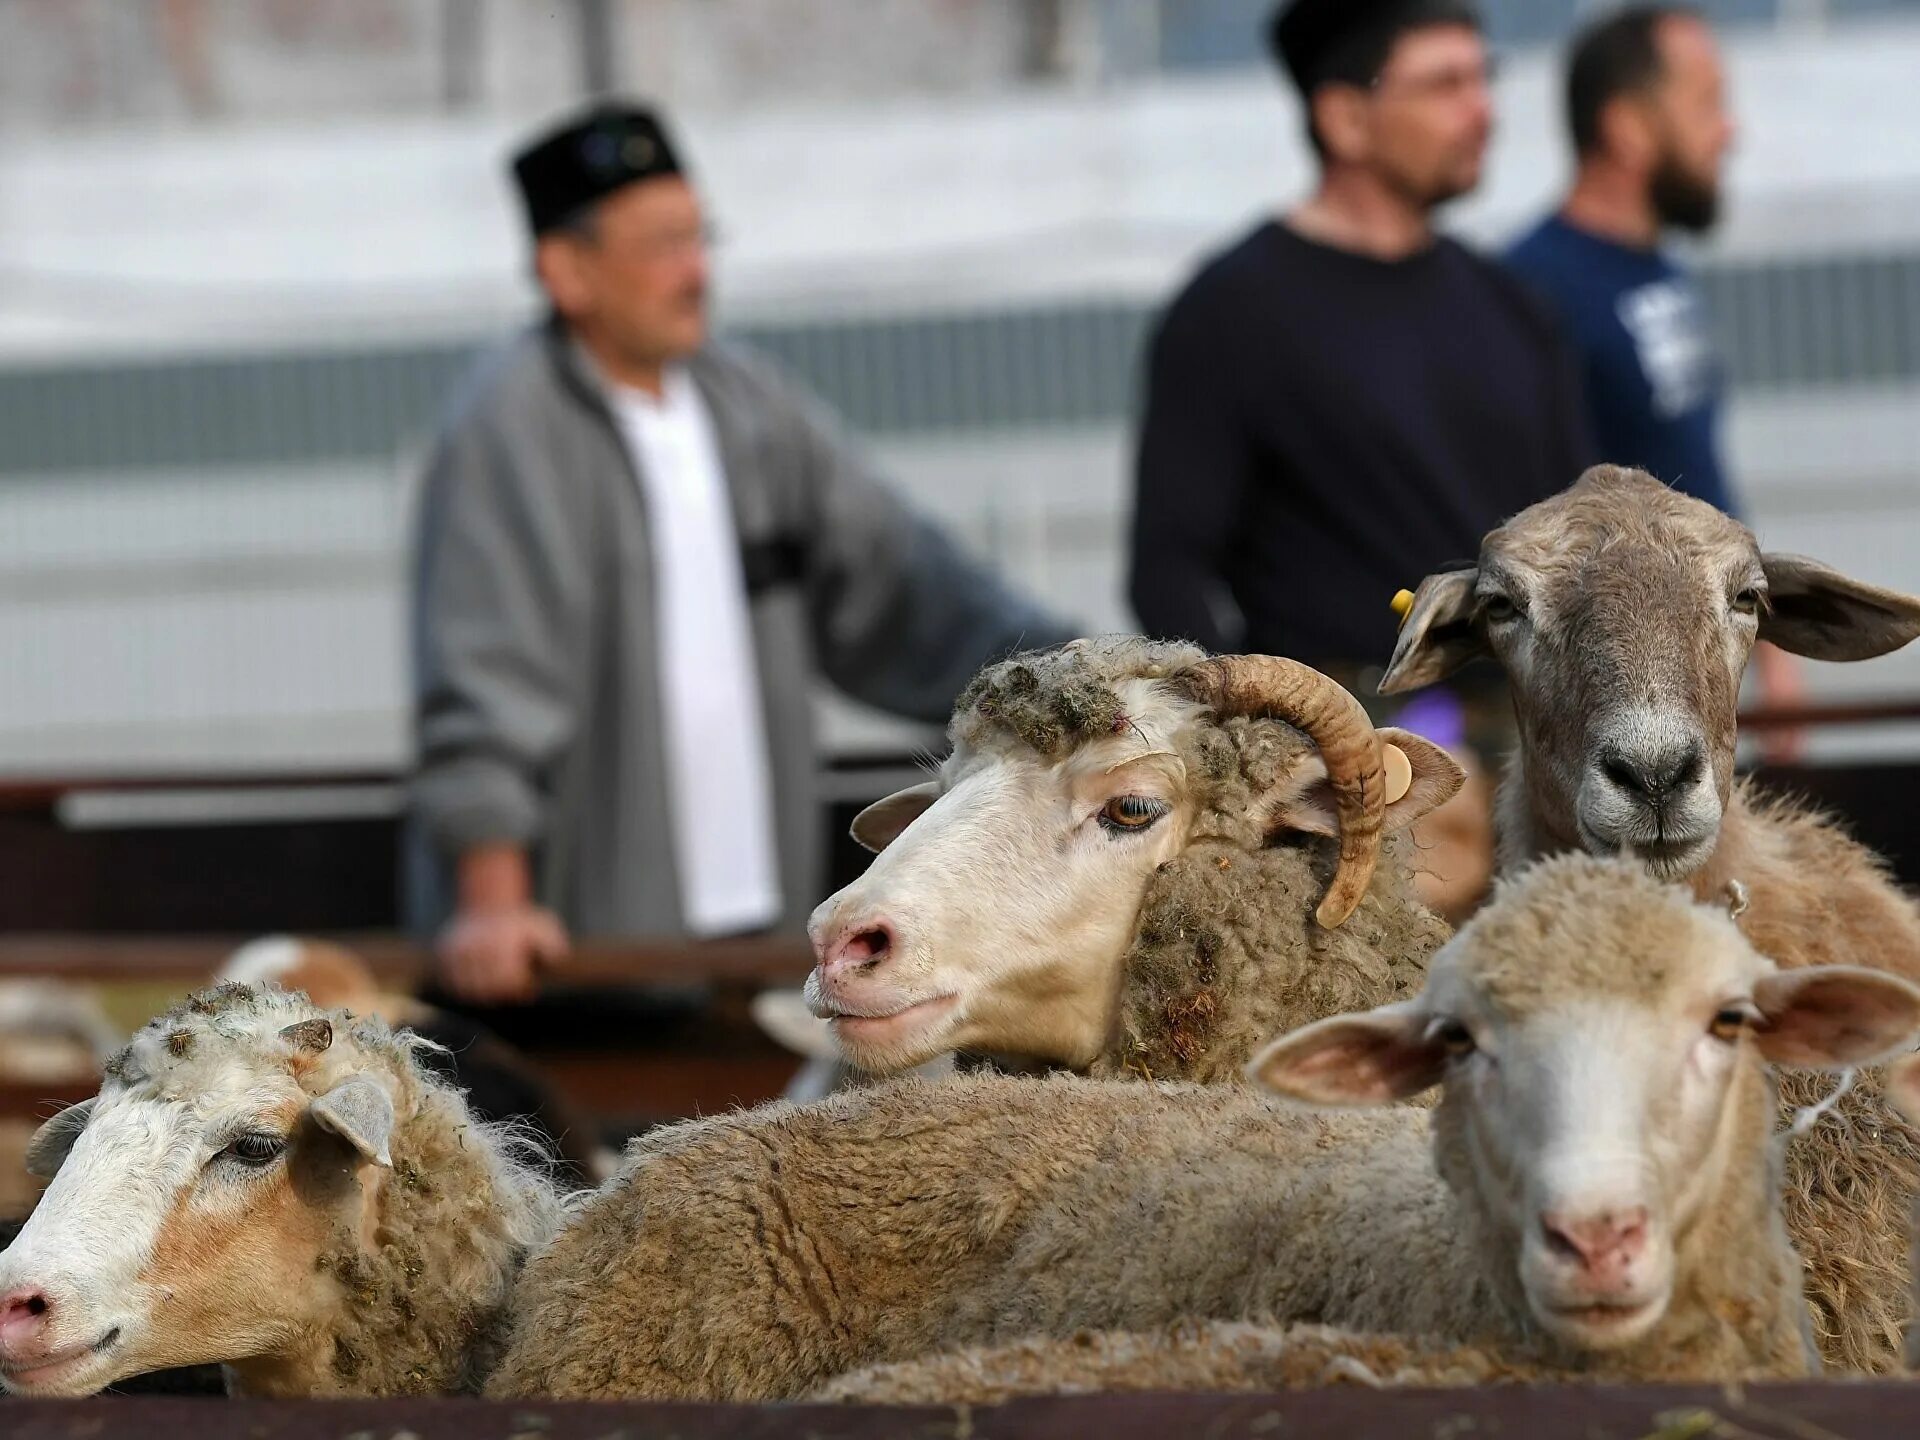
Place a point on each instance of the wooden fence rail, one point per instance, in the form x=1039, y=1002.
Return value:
x=402, y=964
x=1834, y=1410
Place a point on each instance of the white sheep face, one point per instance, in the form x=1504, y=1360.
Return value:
x=190, y=1202
x=998, y=914
x=1599, y=1040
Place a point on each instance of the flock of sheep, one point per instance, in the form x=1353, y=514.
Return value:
x=1631, y=1122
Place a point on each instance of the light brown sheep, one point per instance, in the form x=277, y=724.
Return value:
x=1156, y=840
x=1604, y=1124
x=277, y=1188
x=752, y=1256
x=1624, y=613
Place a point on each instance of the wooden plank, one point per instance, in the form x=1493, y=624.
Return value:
x=1856, y=1410
x=403, y=964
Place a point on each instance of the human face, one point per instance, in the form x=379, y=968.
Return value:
x=1429, y=115
x=633, y=282
x=1694, y=130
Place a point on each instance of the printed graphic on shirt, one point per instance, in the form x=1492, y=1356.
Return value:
x=1668, y=324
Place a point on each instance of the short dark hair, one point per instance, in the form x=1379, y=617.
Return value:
x=1351, y=54
x=1619, y=55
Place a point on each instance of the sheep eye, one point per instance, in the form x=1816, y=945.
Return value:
x=256, y=1149
x=1747, y=602
x=1455, y=1039
x=1728, y=1023
x=1131, y=812
x=1498, y=609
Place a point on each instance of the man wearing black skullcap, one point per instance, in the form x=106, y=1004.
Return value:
x=1343, y=401
x=638, y=549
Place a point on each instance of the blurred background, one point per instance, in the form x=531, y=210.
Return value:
x=246, y=245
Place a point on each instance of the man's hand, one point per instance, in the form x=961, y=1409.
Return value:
x=498, y=939
x=491, y=956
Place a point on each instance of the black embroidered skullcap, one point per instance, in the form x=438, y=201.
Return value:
x=590, y=155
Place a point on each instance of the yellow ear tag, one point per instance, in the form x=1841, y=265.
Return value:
x=1403, y=604
x=1399, y=773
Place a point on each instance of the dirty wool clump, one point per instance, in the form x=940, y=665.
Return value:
x=1052, y=701
x=1227, y=953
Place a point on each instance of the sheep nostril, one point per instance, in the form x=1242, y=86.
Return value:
x=1561, y=1244
x=868, y=948
x=37, y=1305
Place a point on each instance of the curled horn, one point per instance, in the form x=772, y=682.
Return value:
x=1277, y=689
x=311, y=1035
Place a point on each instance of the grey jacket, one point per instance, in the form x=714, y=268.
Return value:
x=535, y=689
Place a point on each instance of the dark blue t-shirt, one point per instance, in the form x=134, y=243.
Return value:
x=1654, y=382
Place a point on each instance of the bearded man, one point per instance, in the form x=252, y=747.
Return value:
x=1647, y=107
x=1345, y=400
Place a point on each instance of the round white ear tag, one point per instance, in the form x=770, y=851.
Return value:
x=1399, y=773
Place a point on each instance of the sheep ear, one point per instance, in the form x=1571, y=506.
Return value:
x=1816, y=611
x=1834, y=1017
x=1439, y=635
x=880, y=824
x=1372, y=1058
x=1421, y=777
x=1433, y=777
x=361, y=1113
x=48, y=1149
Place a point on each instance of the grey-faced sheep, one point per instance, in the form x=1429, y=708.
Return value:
x=1607, y=1202
x=1624, y=613
x=268, y=1186
x=1118, y=868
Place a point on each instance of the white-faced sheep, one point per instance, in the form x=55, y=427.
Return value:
x=284, y=1191
x=1119, y=868
x=1624, y=613
x=1600, y=1041
x=1607, y=1203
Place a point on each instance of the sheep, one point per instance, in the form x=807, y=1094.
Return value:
x=276, y=1188
x=1903, y=1089
x=1603, y=1128
x=1155, y=836
x=50, y=1033
x=1623, y=613
x=753, y=1256
x=500, y=1084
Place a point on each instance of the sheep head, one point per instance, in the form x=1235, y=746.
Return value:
x=1600, y=1038
x=194, y=1200
x=1624, y=613
x=1006, y=891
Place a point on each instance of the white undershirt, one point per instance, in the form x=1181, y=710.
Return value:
x=718, y=777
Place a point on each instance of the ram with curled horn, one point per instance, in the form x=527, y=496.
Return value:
x=1137, y=860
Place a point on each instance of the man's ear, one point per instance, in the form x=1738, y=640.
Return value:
x=880, y=824
x=1439, y=635
x=1373, y=1058
x=1814, y=610
x=1421, y=777
x=1835, y=1017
